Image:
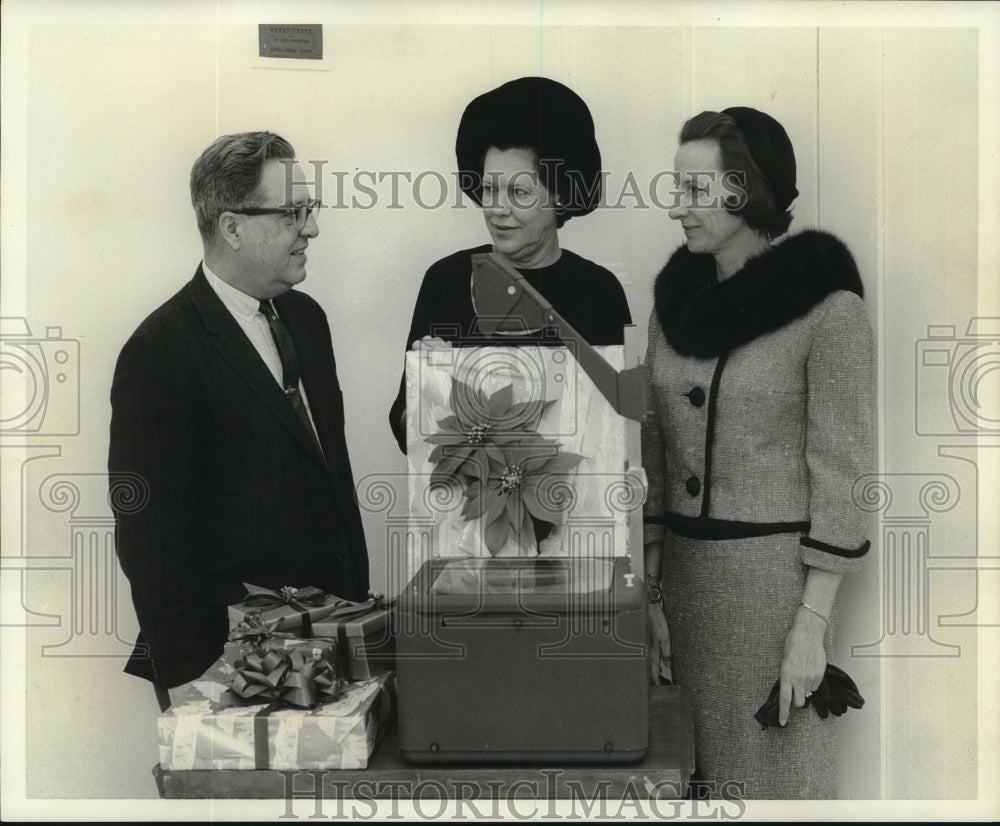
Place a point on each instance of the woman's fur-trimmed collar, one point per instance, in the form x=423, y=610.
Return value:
x=703, y=317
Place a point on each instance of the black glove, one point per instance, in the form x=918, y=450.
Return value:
x=843, y=692
x=822, y=698
x=836, y=693
x=767, y=714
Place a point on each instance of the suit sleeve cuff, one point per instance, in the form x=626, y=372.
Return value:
x=834, y=558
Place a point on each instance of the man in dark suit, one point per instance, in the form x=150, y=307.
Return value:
x=228, y=462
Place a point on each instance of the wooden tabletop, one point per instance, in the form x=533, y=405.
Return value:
x=663, y=773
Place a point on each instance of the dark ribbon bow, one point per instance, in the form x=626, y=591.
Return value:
x=253, y=630
x=301, y=599
x=836, y=693
x=290, y=678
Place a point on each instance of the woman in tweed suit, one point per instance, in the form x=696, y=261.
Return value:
x=761, y=418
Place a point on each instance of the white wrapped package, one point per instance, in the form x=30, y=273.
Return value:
x=199, y=732
x=447, y=398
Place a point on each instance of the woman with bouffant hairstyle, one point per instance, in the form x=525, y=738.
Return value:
x=527, y=156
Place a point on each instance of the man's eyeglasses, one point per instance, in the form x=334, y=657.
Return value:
x=299, y=213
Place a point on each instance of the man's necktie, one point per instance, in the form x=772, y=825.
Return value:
x=289, y=366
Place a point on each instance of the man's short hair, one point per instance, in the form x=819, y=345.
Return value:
x=227, y=174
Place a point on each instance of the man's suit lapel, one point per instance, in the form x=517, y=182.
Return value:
x=319, y=376
x=233, y=345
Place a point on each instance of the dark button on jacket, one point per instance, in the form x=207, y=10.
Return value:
x=693, y=486
x=696, y=396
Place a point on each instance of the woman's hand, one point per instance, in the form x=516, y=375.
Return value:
x=425, y=343
x=429, y=343
x=657, y=643
x=804, y=662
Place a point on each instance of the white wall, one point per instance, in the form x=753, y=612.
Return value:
x=116, y=108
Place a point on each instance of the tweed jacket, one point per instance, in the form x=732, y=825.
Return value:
x=761, y=396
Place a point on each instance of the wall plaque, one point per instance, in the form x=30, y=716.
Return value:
x=302, y=41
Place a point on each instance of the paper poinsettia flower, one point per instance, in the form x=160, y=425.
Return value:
x=478, y=427
x=491, y=446
x=513, y=498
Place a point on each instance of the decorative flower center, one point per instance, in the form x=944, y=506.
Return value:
x=510, y=478
x=477, y=434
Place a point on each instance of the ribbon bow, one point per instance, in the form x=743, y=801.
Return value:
x=252, y=629
x=286, y=678
x=297, y=598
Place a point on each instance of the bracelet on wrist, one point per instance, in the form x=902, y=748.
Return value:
x=812, y=610
x=654, y=590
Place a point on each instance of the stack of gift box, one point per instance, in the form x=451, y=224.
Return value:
x=306, y=681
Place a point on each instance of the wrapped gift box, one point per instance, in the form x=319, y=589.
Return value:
x=593, y=503
x=199, y=731
x=367, y=647
x=282, y=611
